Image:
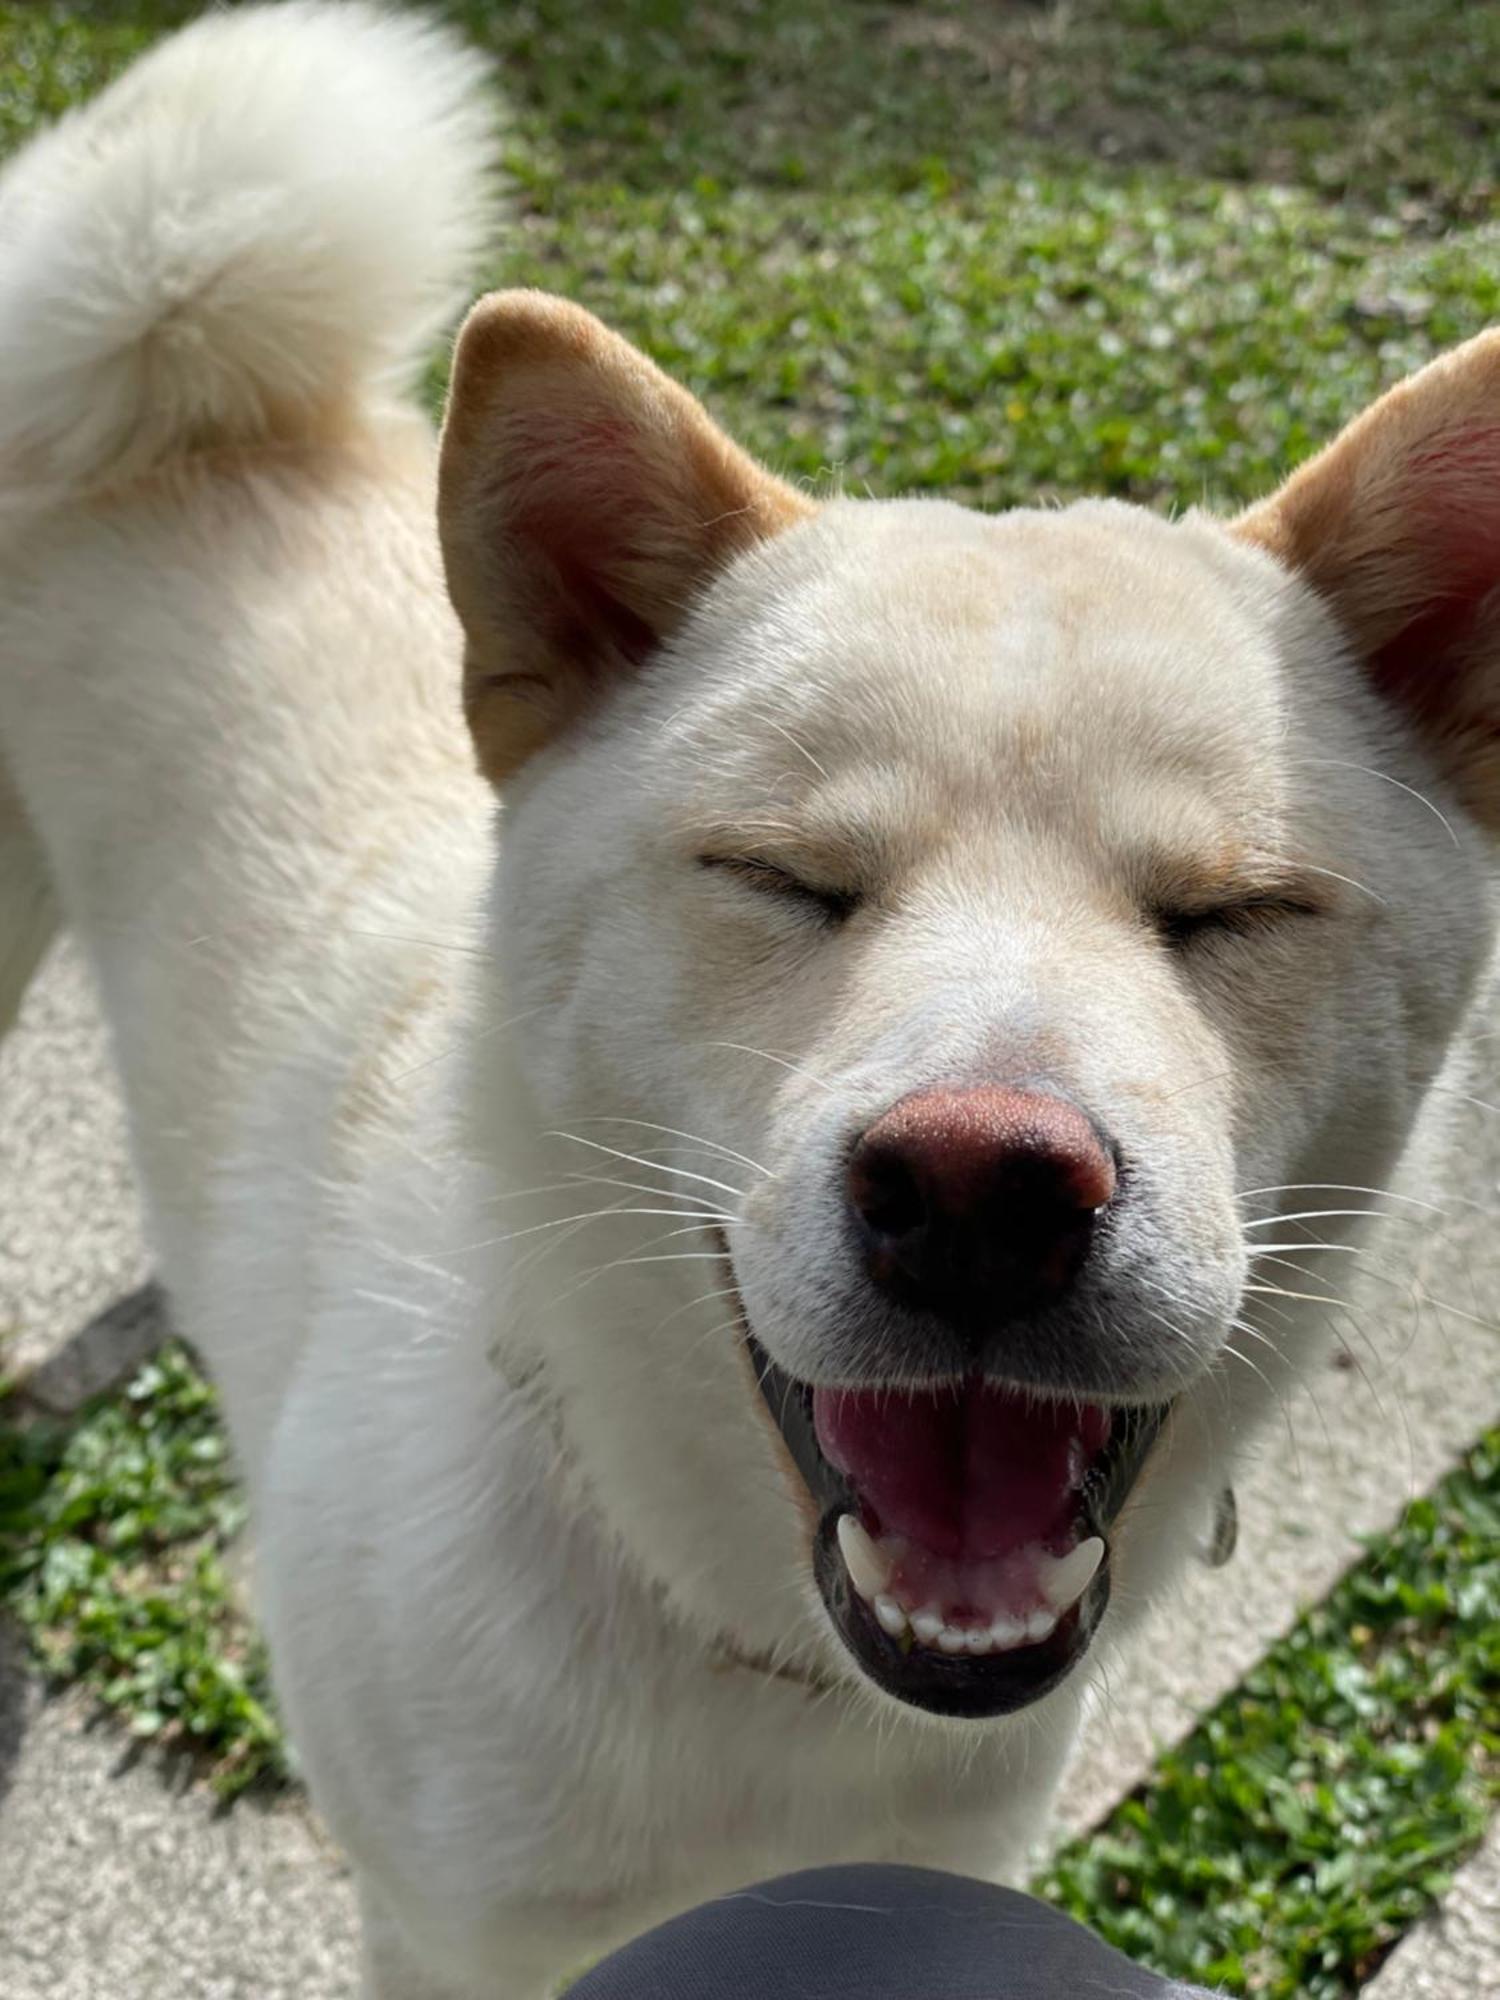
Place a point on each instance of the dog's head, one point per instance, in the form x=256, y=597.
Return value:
x=955, y=943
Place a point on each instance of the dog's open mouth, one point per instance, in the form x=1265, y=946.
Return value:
x=962, y=1546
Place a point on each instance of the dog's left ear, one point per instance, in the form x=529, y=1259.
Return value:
x=585, y=500
x=1397, y=526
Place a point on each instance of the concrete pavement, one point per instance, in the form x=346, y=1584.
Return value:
x=1457, y=1951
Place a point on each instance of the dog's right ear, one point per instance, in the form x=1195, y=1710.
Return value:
x=585, y=500
x=1396, y=526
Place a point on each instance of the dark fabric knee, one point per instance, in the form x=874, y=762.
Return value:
x=868, y=1932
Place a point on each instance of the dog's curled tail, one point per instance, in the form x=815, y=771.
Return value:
x=253, y=235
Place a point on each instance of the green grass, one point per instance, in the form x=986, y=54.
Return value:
x=1156, y=248
x=1318, y=1810
x=1152, y=247
x=113, y=1538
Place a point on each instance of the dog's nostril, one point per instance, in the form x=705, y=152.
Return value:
x=886, y=1193
x=979, y=1204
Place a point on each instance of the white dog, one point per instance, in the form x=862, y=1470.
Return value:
x=723, y=1307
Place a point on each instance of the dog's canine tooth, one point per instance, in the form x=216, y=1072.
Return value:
x=869, y=1571
x=1062, y=1580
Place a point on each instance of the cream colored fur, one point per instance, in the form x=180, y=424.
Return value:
x=422, y=1137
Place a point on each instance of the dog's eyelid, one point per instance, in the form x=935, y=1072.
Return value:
x=774, y=878
x=1179, y=922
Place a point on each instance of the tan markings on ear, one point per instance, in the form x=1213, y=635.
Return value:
x=1396, y=525
x=585, y=500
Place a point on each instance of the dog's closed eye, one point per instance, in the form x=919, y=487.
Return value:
x=830, y=903
x=1182, y=925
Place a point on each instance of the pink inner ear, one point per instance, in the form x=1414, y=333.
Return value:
x=574, y=501
x=572, y=490
x=1450, y=498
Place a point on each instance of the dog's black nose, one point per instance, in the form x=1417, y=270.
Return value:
x=979, y=1205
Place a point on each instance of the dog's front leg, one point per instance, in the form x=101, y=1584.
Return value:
x=523, y=1954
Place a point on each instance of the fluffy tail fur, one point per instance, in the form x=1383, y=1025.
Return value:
x=264, y=223
x=253, y=236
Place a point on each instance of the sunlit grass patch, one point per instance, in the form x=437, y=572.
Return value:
x=1318, y=1810
x=114, y=1537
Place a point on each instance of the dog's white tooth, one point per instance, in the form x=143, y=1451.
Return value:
x=979, y=1638
x=1063, y=1579
x=927, y=1625
x=1007, y=1632
x=889, y=1614
x=869, y=1571
x=951, y=1640
x=1040, y=1625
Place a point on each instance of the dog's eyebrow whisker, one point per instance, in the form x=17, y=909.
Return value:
x=635, y=1160
x=672, y=1132
x=1347, y=764
x=1349, y=882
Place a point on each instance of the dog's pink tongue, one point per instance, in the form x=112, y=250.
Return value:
x=976, y=1471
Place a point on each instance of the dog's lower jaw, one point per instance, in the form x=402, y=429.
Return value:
x=524, y=1753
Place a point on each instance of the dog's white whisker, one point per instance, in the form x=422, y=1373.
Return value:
x=703, y=1299
x=1265, y=1251
x=1281, y=1292
x=625, y=1263
x=468, y=1042
x=645, y=1187
x=1467, y=1097
x=1333, y=875
x=635, y=1160
x=770, y=1056
x=1318, y=1214
x=671, y=1132
x=1346, y=764
x=592, y=1215
x=1339, y=1187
